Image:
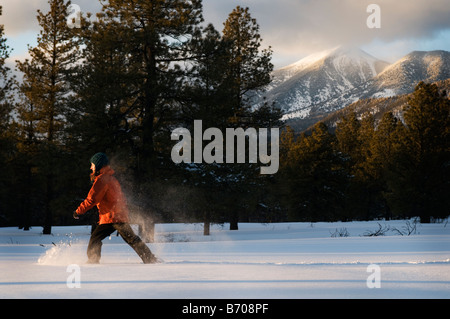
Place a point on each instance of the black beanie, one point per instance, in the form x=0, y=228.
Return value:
x=100, y=160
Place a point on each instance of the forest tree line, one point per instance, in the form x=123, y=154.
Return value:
x=127, y=77
x=395, y=167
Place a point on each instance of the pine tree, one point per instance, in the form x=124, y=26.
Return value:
x=347, y=132
x=367, y=184
x=7, y=83
x=247, y=73
x=421, y=185
x=230, y=69
x=248, y=67
x=315, y=176
x=154, y=40
x=427, y=121
x=386, y=146
x=45, y=91
x=207, y=99
x=101, y=113
x=386, y=142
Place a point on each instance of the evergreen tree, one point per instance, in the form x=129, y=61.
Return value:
x=386, y=147
x=45, y=91
x=421, y=186
x=247, y=73
x=386, y=143
x=207, y=99
x=367, y=181
x=6, y=132
x=207, y=96
x=248, y=68
x=347, y=132
x=103, y=110
x=315, y=175
x=230, y=70
x=349, y=144
x=356, y=140
x=6, y=82
x=153, y=39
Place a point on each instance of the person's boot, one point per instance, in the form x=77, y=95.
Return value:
x=144, y=252
x=149, y=259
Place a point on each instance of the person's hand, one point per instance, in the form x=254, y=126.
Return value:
x=75, y=215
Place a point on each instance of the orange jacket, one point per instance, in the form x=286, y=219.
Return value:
x=107, y=195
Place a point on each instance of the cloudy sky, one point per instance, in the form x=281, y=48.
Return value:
x=293, y=28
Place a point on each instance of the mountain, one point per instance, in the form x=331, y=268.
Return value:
x=402, y=76
x=323, y=83
x=399, y=78
x=320, y=77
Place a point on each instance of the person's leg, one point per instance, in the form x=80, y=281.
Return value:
x=135, y=242
x=95, y=242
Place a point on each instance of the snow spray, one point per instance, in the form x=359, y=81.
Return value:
x=63, y=254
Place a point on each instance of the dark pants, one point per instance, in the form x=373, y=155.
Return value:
x=124, y=229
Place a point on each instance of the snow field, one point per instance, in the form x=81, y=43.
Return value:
x=284, y=260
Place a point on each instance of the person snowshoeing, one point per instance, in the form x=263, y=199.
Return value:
x=107, y=195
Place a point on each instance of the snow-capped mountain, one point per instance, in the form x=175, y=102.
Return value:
x=399, y=78
x=328, y=81
x=320, y=77
x=402, y=76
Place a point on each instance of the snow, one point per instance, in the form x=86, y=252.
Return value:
x=384, y=93
x=352, y=62
x=282, y=260
x=304, y=63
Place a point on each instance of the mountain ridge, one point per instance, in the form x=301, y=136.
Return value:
x=378, y=106
x=327, y=81
x=321, y=76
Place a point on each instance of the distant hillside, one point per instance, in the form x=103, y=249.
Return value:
x=378, y=106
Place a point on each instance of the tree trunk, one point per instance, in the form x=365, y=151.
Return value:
x=206, y=228
x=207, y=224
x=425, y=218
x=234, y=219
x=48, y=214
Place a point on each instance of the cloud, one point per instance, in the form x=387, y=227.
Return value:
x=19, y=16
x=21, y=25
x=300, y=27
x=295, y=28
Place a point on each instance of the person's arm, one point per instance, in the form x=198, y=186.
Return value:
x=95, y=195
